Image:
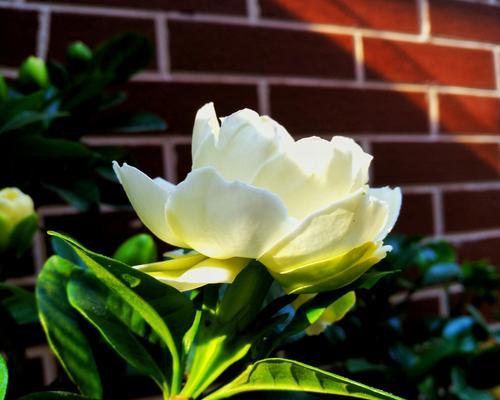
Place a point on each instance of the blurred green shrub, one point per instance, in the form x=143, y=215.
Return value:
x=387, y=340
x=47, y=109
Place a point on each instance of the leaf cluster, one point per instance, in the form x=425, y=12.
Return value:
x=209, y=343
x=395, y=338
x=49, y=107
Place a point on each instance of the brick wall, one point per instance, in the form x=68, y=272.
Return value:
x=416, y=82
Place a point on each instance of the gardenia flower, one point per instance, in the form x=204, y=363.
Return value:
x=14, y=207
x=302, y=208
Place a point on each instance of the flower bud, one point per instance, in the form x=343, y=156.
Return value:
x=15, y=206
x=33, y=72
x=79, y=51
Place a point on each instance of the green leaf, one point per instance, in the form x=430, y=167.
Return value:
x=137, y=250
x=21, y=304
x=244, y=297
x=64, y=250
x=123, y=56
x=60, y=322
x=22, y=235
x=280, y=374
x=4, y=89
x=40, y=148
x=4, y=377
x=168, y=312
x=370, y=279
x=54, y=396
x=136, y=122
x=442, y=272
x=105, y=311
x=81, y=194
x=310, y=312
x=463, y=391
x=360, y=365
x=26, y=118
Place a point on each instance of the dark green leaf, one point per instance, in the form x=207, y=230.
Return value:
x=442, y=272
x=311, y=311
x=123, y=56
x=22, y=235
x=359, y=365
x=54, y=396
x=463, y=391
x=60, y=322
x=106, y=311
x=21, y=304
x=457, y=327
x=26, y=118
x=165, y=309
x=81, y=194
x=64, y=250
x=137, y=122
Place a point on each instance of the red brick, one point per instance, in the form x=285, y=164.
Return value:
x=469, y=114
x=184, y=160
x=488, y=249
x=329, y=110
x=102, y=232
x=423, y=308
x=392, y=15
x=177, y=103
x=396, y=61
x=234, y=7
x=204, y=47
x=465, y=20
x=467, y=210
x=416, y=217
x=18, y=32
x=419, y=163
x=148, y=158
x=92, y=30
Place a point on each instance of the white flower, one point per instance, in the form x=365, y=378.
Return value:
x=14, y=207
x=303, y=208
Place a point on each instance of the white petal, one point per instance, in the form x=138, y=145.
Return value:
x=314, y=172
x=165, y=185
x=205, y=126
x=187, y=273
x=224, y=219
x=329, y=232
x=244, y=143
x=149, y=198
x=393, y=199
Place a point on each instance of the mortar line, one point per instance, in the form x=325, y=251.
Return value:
x=438, y=211
x=424, y=17
x=43, y=33
x=359, y=62
x=263, y=97
x=162, y=45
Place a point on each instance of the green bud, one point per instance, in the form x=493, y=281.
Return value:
x=15, y=207
x=5, y=230
x=33, y=72
x=79, y=51
x=3, y=89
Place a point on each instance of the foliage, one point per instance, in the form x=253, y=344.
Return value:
x=207, y=334
x=47, y=109
x=44, y=114
x=438, y=356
